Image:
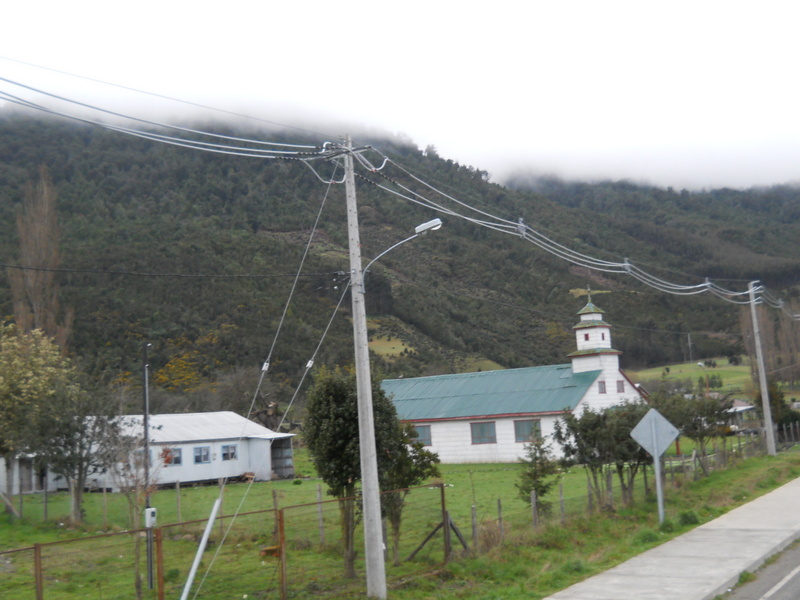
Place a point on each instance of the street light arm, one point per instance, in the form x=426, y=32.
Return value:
x=400, y=243
x=432, y=225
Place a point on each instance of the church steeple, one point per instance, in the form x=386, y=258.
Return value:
x=592, y=338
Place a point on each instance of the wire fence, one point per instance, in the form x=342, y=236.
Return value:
x=303, y=551
x=296, y=551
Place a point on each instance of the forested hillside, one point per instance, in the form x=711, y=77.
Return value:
x=197, y=253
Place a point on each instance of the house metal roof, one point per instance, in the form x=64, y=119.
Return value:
x=531, y=390
x=194, y=427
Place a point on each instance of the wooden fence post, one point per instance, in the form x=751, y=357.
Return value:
x=282, y=544
x=474, y=529
x=159, y=563
x=37, y=571
x=534, y=510
x=445, y=524
x=178, y=499
x=105, y=509
x=500, y=519
x=221, y=517
x=320, y=517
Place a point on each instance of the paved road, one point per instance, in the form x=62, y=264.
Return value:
x=706, y=561
x=778, y=580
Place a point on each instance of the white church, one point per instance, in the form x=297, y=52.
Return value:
x=489, y=416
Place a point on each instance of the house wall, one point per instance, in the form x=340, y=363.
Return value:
x=252, y=455
x=31, y=479
x=451, y=440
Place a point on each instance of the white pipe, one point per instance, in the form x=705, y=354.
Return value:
x=201, y=549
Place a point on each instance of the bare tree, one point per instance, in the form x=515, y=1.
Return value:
x=33, y=286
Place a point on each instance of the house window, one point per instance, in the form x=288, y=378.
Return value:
x=423, y=434
x=202, y=454
x=527, y=431
x=602, y=336
x=172, y=457
x=585, y=337
x=483, y=433
x=601, y=387
x=620, y=386
x=138, y=458
x=229, y=452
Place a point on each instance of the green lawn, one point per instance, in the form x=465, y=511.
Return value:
x=519, y=563
x=736, y=379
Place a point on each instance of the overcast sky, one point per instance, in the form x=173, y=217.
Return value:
x=685, y=94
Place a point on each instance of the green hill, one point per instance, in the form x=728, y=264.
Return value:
x=197, y=253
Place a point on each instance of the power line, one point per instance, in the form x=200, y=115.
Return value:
x=170, y=275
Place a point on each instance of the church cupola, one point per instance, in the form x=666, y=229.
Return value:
x=593, y=339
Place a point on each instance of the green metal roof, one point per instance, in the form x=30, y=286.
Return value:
x=594, y=351
x=532, y=390
x=595, y=323
x=591, y=309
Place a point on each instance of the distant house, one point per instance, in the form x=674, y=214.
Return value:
x=198, y=447
x=186, y=448
x=489, y=416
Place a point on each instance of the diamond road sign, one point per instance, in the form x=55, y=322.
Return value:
x=654, y=433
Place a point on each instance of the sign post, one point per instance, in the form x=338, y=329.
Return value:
x=654, y=433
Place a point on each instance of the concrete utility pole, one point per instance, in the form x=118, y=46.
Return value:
x=371, y=501
x=762, y=374
x=146, y=423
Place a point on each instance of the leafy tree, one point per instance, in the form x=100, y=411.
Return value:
x=411, y=465
x=600, y=441
x=540, y=472
x=583, y=441
x=68, y=440
x=37, y=387
x=331, y=432
x=700, y=418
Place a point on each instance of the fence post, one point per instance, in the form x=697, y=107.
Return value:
x=561, y=502
x=610, y=486
x=275, y=506
x=445, y=524
x=178, y=499
x=589, y=496
x=320, y=518
x=534, y=510
x=105, y=509
x=159, y=563
x=282, y=544
x=500, y=519
x=474, y=529
x=37, y=571
x=221, y=482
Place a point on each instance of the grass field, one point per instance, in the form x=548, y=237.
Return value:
x=521, y=563
x=736, y=379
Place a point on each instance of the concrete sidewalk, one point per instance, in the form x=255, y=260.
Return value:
x=706, y=561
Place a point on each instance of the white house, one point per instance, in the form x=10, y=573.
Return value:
x=196, y=447
x=186, y=448
x=489, y=416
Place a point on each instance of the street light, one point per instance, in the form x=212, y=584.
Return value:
x=419, y=230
